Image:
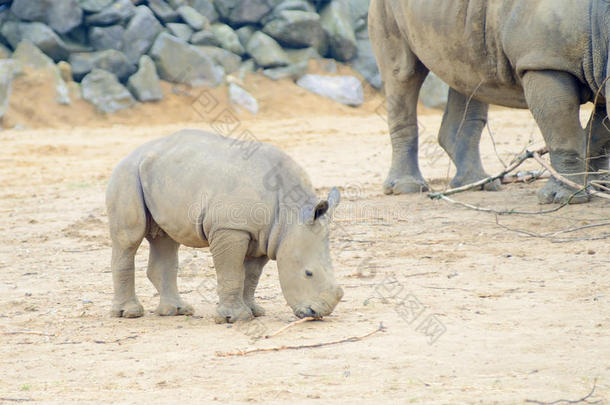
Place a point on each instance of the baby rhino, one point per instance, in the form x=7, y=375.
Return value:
x=248, y=201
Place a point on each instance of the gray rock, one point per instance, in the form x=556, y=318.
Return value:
x=204, y=38
x=337, y=24
x=229, y=61
x=103, y=90
x=182, y=31
x=266, y=51
x=205, y=8
x=61, y=15
x=140, y=33
x=248, y=66
x=228, y=38
x=7, y=72
x=193, y=18
x=29, y=55
x=434, y=92
x=177, y=3
x=294, y=71
x=302, y=55
x=358, y=11
x=102, y=38
x=163, y=11
x=180, y=62
x=39, y=34
x=295, y=28
x=241, y=98
x=110, y=60
x=242, y=11
x=301, y=5
x=94, y=6
x=145, y=84
x=245, y=33
x=117, y=12
x=366, y=65
x=5, y=53
x=343, y=89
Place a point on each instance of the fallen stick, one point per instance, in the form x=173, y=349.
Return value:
x=524, y=177
x=291, y=324
x=381, y=328
x=584, y=400
x=565, y=181
x=27, y=332
x=516, y=163
x=506, y=212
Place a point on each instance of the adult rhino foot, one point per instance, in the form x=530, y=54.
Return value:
x=173, y=308
x=558, y=193
x=463, y=180
x=404, y=185
x=129, y=309
x=232, y=313
x=256, y=309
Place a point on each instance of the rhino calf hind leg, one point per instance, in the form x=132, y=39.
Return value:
x=254, y=268
x=554, y=100
x=600, y=141
x=163, y=273
x=125, y=302
x=229, y=248
x=460, y=134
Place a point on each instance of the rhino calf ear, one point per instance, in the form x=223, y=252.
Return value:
x=320, y=209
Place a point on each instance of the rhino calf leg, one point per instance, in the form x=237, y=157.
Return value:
x=460, y=135
x=554, y=100
x=125, y=302
x=229, y=248
x=403, y=75
x=163, y=273
x=254, y=268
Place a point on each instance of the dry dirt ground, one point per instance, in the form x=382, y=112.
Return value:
x=474, y=312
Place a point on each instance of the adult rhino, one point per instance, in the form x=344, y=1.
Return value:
x=550, y=56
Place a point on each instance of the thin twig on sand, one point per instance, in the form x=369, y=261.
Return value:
x=584, y=400
x=506, y=212
x=381, y=328
x=27, y=332
x=553, y=235
x=291, y=324
x=516, y=163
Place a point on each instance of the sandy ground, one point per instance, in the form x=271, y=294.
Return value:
x=475, y=313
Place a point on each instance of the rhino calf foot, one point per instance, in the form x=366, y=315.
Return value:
x=404, y=185
x=558, y=193
x=172, y=309
x=233, y=313
x=130, y=309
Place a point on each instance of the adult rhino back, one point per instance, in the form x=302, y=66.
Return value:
x=515, y=53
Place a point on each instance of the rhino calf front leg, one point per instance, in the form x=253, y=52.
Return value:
x=554, y=100
x=229, y=248
x=163, y=273
x=254, y=268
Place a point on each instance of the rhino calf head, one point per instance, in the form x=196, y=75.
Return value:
x=304, y=264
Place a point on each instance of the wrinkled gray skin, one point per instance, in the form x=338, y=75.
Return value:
x=550, y=56
x=200, y=189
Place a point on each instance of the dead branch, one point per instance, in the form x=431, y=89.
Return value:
x=291, y=324
x=552, y=235
x=116, y=340
x=524, y=177
x=516, y=163
x=507, y=212
x=381, y=328
x=584, y=400
x=27, y=332
x=565, y=181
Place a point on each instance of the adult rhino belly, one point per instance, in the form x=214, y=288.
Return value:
x=460, y=42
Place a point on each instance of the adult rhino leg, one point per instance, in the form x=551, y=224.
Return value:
x=460, y=135
x=254, y=268
x=127, y=220
x=554, y=100
x=403, y=75
x=600, y=141
x=228, y=248
x=163, y=273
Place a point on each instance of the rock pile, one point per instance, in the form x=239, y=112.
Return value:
x=118, y=50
